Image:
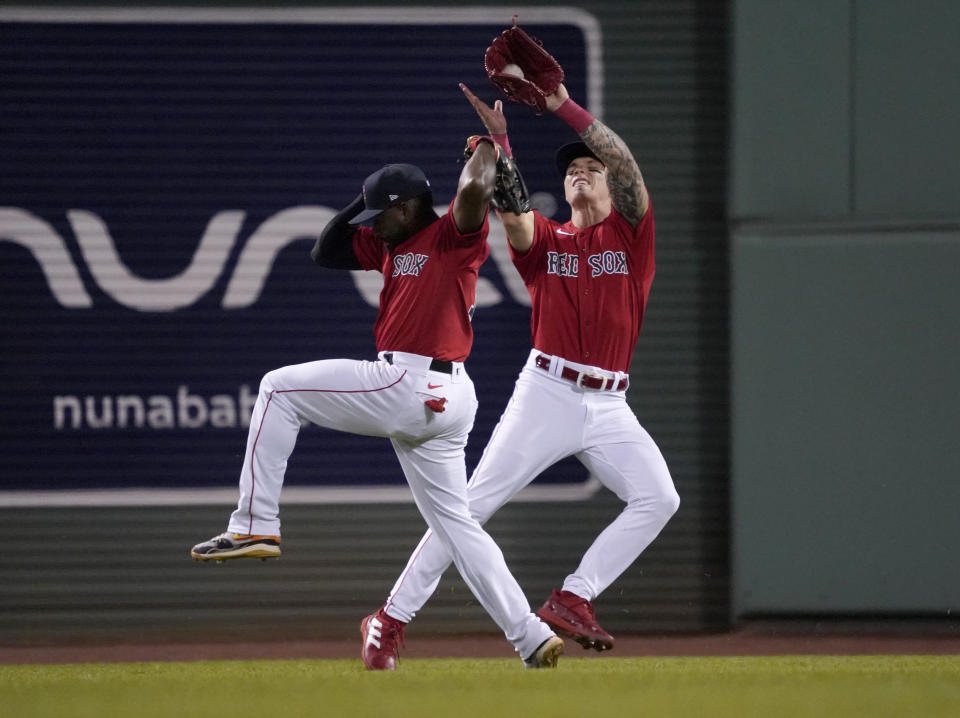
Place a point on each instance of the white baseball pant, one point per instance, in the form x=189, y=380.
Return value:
x=386, y=399
x=547, y=419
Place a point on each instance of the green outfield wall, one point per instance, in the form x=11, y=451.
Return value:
x=845, y=232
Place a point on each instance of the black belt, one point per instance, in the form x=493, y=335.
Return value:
x=435, y=364
x=583, y=379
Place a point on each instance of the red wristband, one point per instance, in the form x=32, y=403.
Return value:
x=474, y=140
x=574, y=115
x=504, y=142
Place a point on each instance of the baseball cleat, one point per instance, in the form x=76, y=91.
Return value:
x=572, y=616
x=231, y=545
x=380, y=636
x=547, y=655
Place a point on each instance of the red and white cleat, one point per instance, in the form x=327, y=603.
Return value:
x=381, y=636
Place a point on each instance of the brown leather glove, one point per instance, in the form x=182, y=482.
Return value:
x=521, y=68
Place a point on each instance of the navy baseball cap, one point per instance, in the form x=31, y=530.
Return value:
x=569, y=152
x=389, y=185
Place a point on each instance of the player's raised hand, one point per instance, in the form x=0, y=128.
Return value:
x=491, y=117
x=557, y=98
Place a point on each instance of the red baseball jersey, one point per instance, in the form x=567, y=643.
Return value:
x=589, y=288
x=429, y=289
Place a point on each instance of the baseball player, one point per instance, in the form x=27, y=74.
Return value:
x=588, y=279
x=417, y=393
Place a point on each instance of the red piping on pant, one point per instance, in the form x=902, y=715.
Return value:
x=253, y=475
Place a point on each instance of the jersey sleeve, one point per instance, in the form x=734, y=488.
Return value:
x=461, y=239
x=643, y=241
x=644, y=230
x=369, y=250
x=528, y=262
x=463, y=248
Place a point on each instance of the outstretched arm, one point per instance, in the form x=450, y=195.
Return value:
x=475, y=188
x=627, y=189
x=519, y=227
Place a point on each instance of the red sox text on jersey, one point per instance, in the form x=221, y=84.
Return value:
x=409, y=264
x=565, y=264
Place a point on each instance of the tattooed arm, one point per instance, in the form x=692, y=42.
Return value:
x=627, y=189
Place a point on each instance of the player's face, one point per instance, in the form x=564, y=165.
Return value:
x=390, y=226
x=586, y=179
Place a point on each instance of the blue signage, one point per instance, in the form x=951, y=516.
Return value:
x=164, y=175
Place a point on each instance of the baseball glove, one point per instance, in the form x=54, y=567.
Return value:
x=510, y=191
x=521, y=68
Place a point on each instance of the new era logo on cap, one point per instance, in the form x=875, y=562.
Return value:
x=389, y=184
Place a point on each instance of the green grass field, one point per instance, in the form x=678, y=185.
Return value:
x=776, y=687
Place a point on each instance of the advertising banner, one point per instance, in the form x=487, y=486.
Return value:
x=164, y=175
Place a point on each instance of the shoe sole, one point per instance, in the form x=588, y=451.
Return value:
x=551, y=655
x=568, y=631
x=548, y=656
x=256, y=550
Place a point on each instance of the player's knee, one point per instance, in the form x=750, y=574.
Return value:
x=269, y=382
x=663, y=504
x=669, y=503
